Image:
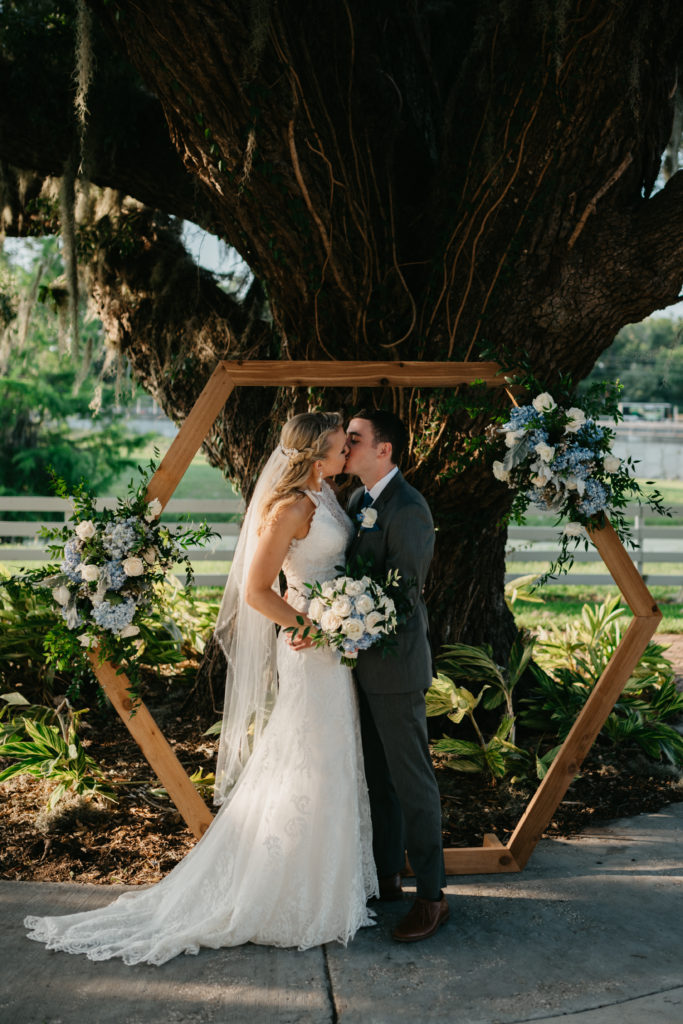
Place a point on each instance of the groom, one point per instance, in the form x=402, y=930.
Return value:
x=397, y=532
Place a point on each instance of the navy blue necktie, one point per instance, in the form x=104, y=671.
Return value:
x=367, y=500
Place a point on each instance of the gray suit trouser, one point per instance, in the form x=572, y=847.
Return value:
x=404, y=797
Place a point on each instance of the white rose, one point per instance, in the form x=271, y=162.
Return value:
x=150, y=556
x=154, y=508
x=545, y=451
x=89, y=573
x=540, y=480
x=544, y=402
x=85, y=530
x=327, y=589
x=353, y=629
x=577, y=418
x=364, y=604
x=500, y=473
x=342, y=606
x=133, y=566
x=369, y=518
x=316, y=609
x=84, y=640
x=129, y=630
x=61, y=595
x=512, y=437
x=611, y=463
x=574, y=530
x=355, y=588
x=329, y=621
x=374, y=623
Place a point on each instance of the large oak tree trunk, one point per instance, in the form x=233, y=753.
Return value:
x=456, y=180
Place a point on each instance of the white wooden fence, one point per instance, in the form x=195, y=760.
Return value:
x=526, y=544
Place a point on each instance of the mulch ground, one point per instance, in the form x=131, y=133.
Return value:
x=139, y=839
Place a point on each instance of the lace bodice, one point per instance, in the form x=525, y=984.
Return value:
x=319, y=554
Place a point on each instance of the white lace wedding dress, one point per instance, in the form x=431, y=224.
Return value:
x=288, y=859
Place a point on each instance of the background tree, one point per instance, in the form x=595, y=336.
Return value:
x=440, y=179
x=648, y=360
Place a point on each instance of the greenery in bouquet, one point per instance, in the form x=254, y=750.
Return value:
x=560, y=459
x=107, y=573
x=354, y=612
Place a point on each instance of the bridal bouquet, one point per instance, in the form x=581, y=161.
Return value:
x=353, y=614
x=105, y=574
x=561, y=459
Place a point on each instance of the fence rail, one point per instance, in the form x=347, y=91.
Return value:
x=526, y=544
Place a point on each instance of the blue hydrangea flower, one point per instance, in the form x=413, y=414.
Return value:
x=595, y=498
x=72, y=558
x=114, y=617
x=119, y=538
x=520, y=416
x=114, y=574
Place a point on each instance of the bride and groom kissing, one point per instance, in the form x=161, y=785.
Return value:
x=323, y=775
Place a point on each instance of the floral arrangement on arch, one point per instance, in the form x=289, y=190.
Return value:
x=561, y=460
x=107, y=570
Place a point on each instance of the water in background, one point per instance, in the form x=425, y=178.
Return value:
x=657, y=447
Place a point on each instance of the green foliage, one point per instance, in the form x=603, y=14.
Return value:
x=43, y=742
x=567, y=664
x=648, y=360
x=42, y=389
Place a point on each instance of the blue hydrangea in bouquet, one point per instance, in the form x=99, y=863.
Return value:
x=107, y=573
x=560, y=459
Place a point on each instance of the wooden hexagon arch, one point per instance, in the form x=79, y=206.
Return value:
x=493, y=856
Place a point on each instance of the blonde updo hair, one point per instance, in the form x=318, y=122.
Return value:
x=304, y=439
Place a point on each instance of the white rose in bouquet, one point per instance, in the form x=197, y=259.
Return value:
x=364, y=604
x=154, y=508
x=577, y=418
x=342, y=606
x=374, y=623
x=84, y=640
x=150, y=556
x=327, y=589
x=512, y=437
x=89, y=573
x=316, y=609
x=544, y=402
x=133, y=566
x=574, y=530
x=353, y=628
x=354, y=588
x=61, y=595
x=329, y=621
x=500, y=472
x=85, y=530
x=545, y=451
x=129, y=630
x=611, y=463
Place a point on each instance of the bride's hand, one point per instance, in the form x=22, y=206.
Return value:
x=297, y=641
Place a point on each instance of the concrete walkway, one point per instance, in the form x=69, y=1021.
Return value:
x=591, y=931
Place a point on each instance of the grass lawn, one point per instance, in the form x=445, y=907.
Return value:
x=200, y=481
x=562, y=603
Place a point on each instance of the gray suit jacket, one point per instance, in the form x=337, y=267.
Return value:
x=403, y=539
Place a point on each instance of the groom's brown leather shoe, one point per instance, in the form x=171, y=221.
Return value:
x=424, y=918
x=390, y=888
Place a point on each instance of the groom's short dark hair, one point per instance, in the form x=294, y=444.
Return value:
x=386, y=426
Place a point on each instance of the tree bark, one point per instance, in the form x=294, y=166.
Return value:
x=408, y=180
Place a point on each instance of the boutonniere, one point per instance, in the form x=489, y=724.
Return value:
x=367, y=518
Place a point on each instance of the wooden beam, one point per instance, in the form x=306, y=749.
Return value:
x=580, y=739
x=154, y=746
x=188, y=441
x=623, y=571
x=480, y=860
x=356, y=373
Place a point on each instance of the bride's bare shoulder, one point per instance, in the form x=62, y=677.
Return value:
x=294, y=517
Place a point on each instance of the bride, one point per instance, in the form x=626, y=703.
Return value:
x=287, y=860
